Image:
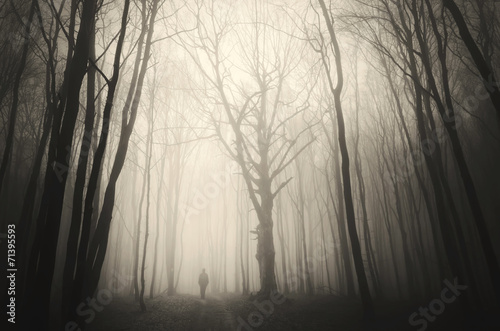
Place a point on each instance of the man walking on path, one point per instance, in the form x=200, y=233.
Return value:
x=203, y=282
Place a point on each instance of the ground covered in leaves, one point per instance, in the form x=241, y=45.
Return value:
x=235, y=312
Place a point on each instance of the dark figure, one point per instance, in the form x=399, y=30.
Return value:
x=203, y=282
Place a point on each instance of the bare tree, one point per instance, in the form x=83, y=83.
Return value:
x=49, y=216
x=259, y=147
x=485, y=70
x=15, y=92
x=97, y=248
x=346, y=177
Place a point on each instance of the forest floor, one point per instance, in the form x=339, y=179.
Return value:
x=234, y=312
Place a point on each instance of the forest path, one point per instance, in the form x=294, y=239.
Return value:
x=221, y=312
x=226, y=311
x=178, y=312
x=214, y=314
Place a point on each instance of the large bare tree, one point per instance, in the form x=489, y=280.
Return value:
x=254, y=112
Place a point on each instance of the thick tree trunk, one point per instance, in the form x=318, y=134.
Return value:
x=79, y=278
x=341, y=223
x=57, y=174
x=57, y=112
x=81, y=172
x=265, y=245
x=265, y=257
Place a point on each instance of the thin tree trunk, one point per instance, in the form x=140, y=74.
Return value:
x=242, y=258
x=486, y=73
x=9, y=142
x=346, y=177
x=99, y=243
x=443, y=220
x=449, y=122
x=224, y=252
x=433, y=223
x=137, y=247
x=29, y=202
x=361, y=187
x=158, y=204
x=149, y=155
x=281, y=239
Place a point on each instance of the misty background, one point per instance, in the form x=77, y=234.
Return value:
x=343, y=148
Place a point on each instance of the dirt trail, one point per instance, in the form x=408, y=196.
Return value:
x=227, y=312
x=180, y=312
x=214, y=314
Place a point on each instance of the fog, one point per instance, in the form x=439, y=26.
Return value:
x=340, y=154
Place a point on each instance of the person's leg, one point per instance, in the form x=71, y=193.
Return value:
x=203, y=289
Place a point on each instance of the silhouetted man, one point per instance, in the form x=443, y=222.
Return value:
x=203, y=282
